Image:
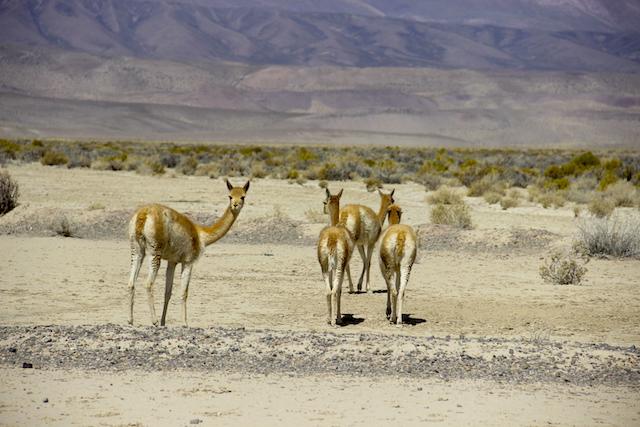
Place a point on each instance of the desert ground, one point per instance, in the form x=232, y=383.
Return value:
x=485, y=340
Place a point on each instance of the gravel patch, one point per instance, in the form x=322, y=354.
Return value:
x=119, y=348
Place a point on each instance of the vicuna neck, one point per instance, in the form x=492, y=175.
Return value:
x=334, y=214
x=212, y=233
x=382, y=213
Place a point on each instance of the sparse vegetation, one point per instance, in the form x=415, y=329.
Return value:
x=601, y=206
x=9, y=193
x=62, y=227
x=616, y=237
x=563, y=269
x=509, y=202
x=457, y=215
x=556, y=175
x=54, y=158
x=446, y=196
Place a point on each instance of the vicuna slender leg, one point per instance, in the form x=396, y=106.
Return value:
x=334, y=303
x=168, y=286
x=338, y=286
x=387, y=279
x=394, y=296
x=368, y=265
x=327, y=280
x=154, y=265
x=404, y=279
x=364, y=266
x=137, y=256
x=349, y=277
x=184, y=280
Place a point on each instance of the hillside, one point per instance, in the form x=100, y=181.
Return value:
x=490, y=72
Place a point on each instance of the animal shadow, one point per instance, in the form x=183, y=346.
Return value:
x=348, y=319
x=407, y=319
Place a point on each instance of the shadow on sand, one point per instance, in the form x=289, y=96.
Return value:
x=348, y=319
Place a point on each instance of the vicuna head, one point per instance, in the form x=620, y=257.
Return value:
x=236, y=196
x=332, y=206
x=395, y=213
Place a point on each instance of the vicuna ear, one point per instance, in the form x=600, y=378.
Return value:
x=340, y=193
x=392, y=191
x=246, y=186
x=229, y=186
x=328, y=192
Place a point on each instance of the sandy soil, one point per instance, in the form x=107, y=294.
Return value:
x=478, y=284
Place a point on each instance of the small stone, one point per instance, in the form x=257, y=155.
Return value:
x=27, y=365
x=195, y=421
x=12, y=350
x=45, y=400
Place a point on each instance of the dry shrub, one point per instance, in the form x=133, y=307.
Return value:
x=488, y=183
x=563, y=269
x=62, y=227
x=457, y=215
x=492, y=197
x=372, y=184
x=430, y=181
x=323, y=184
x=53, y=158
x=582, y=188
x=557, y=199
x=446, y=196
x=212, y=170
x=9, y=192
x=150, y=167
x=601, y=206
x=187, y=165
x=622, y=193
x=258, y=170
x=616, y=237
x=110, y=164
x=509, y=202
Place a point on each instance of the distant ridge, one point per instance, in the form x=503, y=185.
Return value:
x=596, y=36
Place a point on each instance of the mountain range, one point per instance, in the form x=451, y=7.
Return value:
x=535, y=72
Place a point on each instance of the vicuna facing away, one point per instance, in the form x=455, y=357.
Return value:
x=397, y=254
x=364, y=226
x=335, y=247
x=163, y=233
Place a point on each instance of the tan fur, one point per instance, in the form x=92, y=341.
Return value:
x=164, y=233
x=365, y=225
x=398, y=249
x=335, y=246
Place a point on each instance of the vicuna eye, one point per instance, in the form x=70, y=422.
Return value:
x=242, y=198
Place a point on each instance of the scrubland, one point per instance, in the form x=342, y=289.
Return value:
x=523, y=305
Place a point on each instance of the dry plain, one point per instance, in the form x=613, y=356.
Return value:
x=486, y=340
